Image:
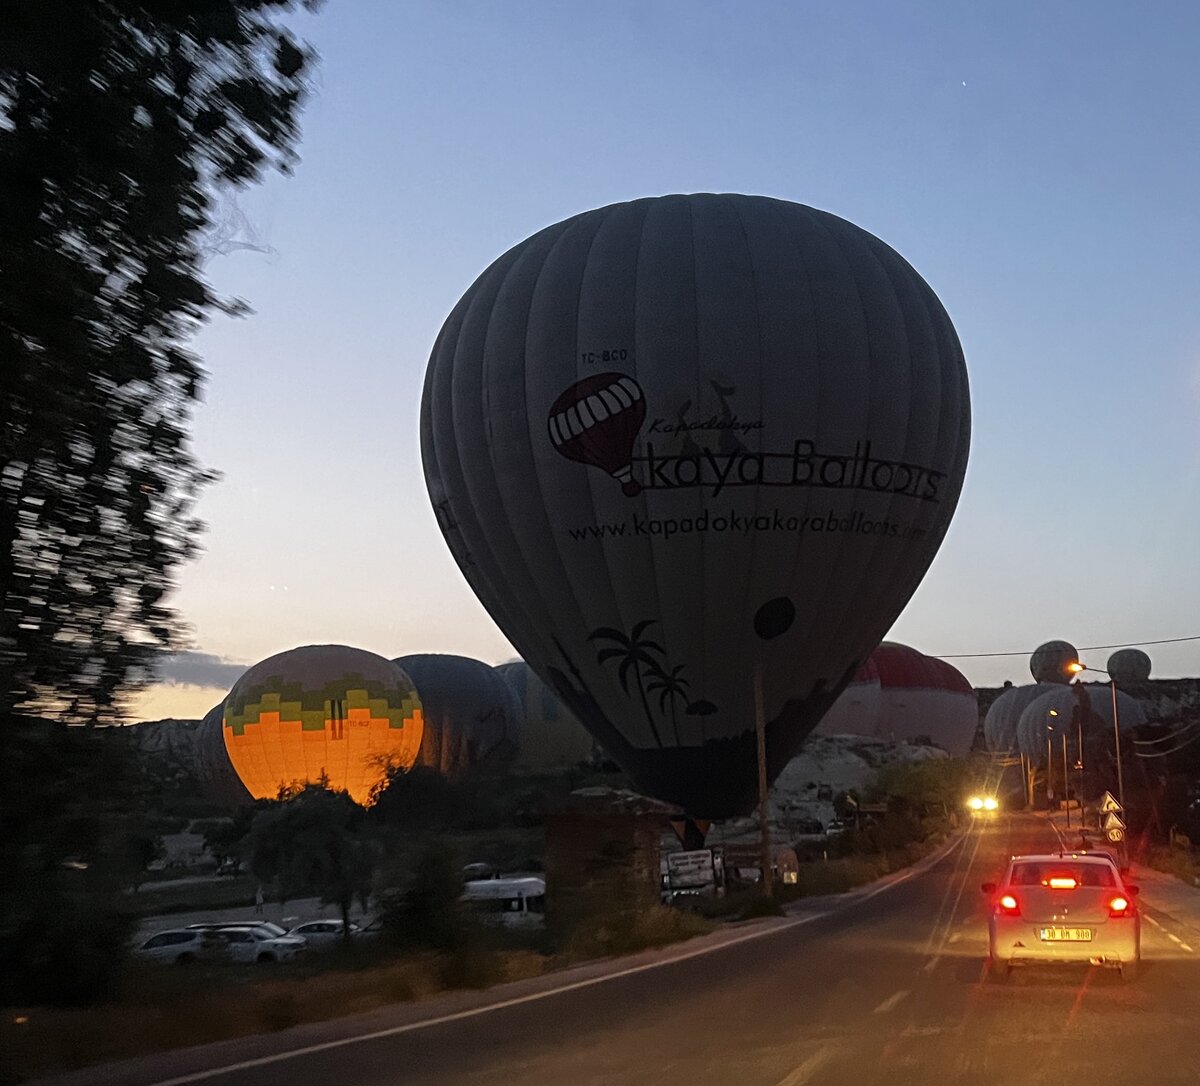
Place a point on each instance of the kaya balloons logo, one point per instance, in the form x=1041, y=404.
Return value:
x=596, y=422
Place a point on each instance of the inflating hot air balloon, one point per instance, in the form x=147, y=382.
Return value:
x=1051, y=715
x=925, y=698
x=856, y=711
x=1050, y=662
x=550, y=737
x=689, y=448
x=321, y=711
x=470, y=713
x=214, y=770
x=1129, y=666
x=904, y=695
x=1003, y=718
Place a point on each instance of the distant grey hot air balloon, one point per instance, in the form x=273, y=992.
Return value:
x=1037, y=722
x=214, y=770
x=1128, y=666
x=678, y=443
x=1048, y=664
x=550, y=735
x=1003, y=718
x=470, y=712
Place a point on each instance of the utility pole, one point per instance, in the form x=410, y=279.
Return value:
x=760, y=734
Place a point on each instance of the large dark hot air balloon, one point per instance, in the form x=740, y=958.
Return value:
x=784, y=404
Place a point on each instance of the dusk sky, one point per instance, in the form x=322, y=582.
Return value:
x=1037, y=164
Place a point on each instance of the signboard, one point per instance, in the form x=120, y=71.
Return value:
x=787, y=866
x=1112, y=821
x=1116, y=835
x=1109, y=803
x=691, y=869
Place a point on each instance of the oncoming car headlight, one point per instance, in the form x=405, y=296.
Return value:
x=983, y=803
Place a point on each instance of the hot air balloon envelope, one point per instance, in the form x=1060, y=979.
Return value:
x=322, y=711
x=684, y=446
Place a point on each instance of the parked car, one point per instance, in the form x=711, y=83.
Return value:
x=268, y=926
x=254, y=944
x=511, y=902
x=324, y=933
x=179, y=946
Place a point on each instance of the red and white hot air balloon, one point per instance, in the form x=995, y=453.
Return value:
x=596, y=421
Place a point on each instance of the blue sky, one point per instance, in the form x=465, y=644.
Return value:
x=1038, y=164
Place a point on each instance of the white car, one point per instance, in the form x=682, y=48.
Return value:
x=510, y=902
x=323, y=933
x=179, y=946
x=268, y=926
x=1061, y=908
x=253, y=944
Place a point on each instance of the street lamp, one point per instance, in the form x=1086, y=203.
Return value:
x=1050, y=762
x=1075, y=668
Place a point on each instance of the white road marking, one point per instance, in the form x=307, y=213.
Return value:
x=931, y=965
x=955, y=937
x=1184, y=946
x=1154, y=922
x=808, y=1067
x=1174, y=938
x=890, y=1003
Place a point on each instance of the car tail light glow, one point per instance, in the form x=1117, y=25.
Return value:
x=1066, y=883
x=1118, y=906
x=1008, y=905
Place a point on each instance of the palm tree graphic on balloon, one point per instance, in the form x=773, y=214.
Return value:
x=596, y=422
x=643, y=660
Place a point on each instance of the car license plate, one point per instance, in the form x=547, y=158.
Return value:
x=1066, y=935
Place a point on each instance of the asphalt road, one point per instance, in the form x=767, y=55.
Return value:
x=890, y=990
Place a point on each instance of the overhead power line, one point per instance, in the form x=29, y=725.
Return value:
x=1082, y=648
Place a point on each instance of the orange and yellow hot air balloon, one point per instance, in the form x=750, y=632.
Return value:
x=321, y=712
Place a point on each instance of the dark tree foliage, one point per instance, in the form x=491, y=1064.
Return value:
x=120, y=123
x=315, y=840
x=76, y=835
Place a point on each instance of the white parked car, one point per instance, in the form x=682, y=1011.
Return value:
x=268, y=926
x=512, y=902
x=254, y=944
x=323, y=933
x=179, y=946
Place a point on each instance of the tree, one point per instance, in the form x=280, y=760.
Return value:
x=121, y=123
x=317, y=840
x=76, y=835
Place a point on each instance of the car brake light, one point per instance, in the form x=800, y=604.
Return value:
x=1009, y=905
x=1118, y=906
x=1063, y=884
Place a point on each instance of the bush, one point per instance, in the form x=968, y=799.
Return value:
x=427, y=912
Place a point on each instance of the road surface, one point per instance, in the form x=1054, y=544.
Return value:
x=891, y=990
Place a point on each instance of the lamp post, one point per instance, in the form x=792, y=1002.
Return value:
x=1066, y=778
x=1075, y=668
x=1049, y=765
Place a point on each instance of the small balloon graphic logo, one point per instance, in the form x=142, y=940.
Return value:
x=596, y=422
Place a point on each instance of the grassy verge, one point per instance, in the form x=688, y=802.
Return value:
x=228, y=893
x=1180, y=862
x=172, y=1007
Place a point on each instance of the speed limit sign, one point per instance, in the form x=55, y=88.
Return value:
x=1115, y=835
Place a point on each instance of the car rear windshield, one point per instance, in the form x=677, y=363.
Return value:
x=1041, y=874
